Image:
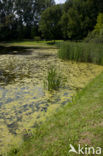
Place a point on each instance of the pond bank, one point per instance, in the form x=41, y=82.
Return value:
x=80, y=122
x=23, y=102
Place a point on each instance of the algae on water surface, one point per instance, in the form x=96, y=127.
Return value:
x=23, y=101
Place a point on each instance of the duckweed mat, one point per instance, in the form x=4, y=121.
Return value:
x=24, y=103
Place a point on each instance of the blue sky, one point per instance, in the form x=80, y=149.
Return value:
x=60, y=1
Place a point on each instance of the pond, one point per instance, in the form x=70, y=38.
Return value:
x=24, y=103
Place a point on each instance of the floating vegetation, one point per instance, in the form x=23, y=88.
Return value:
x=6, y=78
x=14, y=70
x=24, y=103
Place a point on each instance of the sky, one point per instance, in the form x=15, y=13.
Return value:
x=59, y=1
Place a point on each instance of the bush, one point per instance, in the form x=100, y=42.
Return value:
x=96, y=35
x=97, y=40
x=94, y=38
x=82, y=52
x=37, y=38
x=53, y=80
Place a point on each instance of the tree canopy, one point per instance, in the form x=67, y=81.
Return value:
x=29, y=18
x=50, y=22
x=76, y=19
x=98, y=29
x=19, y=17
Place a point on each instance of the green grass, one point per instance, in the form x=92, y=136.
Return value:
x=32, y=43
x=82, y=52
x=78, y=122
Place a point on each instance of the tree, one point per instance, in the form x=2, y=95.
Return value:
x=98, y=29
x=64, y=25
x=18, y=18
x=79, y=18
x=50, y=22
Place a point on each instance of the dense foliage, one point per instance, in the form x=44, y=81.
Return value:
x=19, y=18
x=97, y=34
x=27, y=19
x=98, y=29
x=50, y=22
x=77, y=20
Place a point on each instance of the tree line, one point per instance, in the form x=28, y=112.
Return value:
x=19, y=18
x=73, y=20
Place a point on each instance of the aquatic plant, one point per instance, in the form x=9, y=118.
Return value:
x=53, y=79
x=13, y=70
x=81, y=52
x=70, y=119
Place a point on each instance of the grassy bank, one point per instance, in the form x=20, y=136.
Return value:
x=78, y=122
x=32, y=43
x=82, y=52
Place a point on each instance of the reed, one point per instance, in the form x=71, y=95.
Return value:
x=81, y=52
x=53, y=79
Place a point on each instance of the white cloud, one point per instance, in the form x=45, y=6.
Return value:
x=60, y=1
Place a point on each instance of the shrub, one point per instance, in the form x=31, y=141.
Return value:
x=98, y=29
x=82, y=52
x=53, y=79
x=94, y=38
x=37, y=38
x=97, y=40
x=96, y=35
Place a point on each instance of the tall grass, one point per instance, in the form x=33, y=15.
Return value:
x=82, y=52
x=53, y=79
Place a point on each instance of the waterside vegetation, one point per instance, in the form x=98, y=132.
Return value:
x=69, y=38
x=79, y=122
x=82, y=52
